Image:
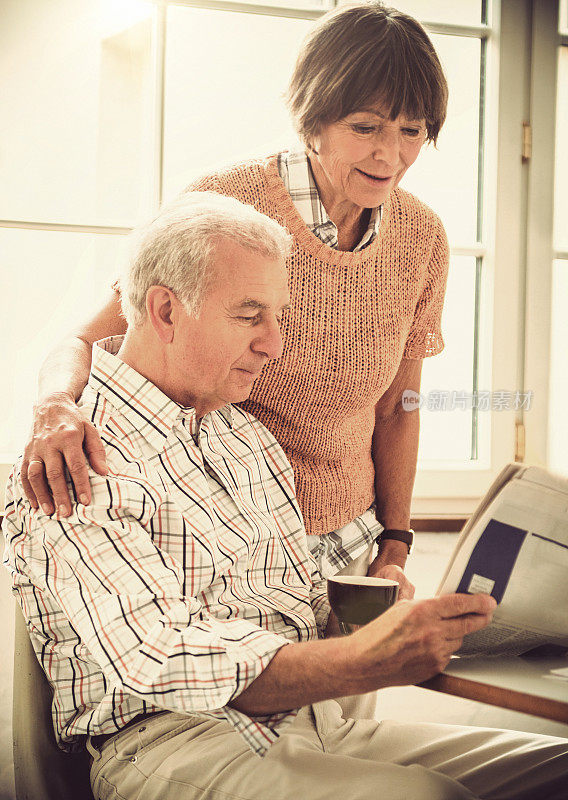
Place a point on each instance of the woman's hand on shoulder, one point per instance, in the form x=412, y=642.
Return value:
x=61, y=440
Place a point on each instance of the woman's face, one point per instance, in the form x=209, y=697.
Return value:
x=362, y=157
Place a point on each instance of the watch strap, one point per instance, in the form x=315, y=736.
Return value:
x=406, y=536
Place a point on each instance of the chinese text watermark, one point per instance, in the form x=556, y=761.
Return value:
x=446, y=400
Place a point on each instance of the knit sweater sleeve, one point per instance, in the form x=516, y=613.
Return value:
x=241, y=181
x=205, y=183
x=425, y=337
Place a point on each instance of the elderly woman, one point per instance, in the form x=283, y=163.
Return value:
x=367, y=279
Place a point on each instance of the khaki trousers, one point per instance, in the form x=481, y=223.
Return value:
x=321, y=756
x=360, y=706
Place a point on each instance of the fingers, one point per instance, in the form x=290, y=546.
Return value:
x=48, y=480
x=55, y=473
x=416, y=639
x=95, y=451
x=405, y=588
x=74, y=455
x=60, y=440
x=37, y=479
x=72, y=458
x=408, y=593
x=457, y=628
x=454, y=605
x=79, y=473
x=394, y=572
x=28, y=490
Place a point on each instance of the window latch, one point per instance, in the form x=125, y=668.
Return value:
x=527, y=142
x=519, y=442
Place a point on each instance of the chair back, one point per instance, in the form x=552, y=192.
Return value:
x=42, y=771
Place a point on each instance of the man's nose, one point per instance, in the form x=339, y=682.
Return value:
x=270, y=341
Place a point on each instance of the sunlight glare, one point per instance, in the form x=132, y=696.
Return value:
x=120, y=15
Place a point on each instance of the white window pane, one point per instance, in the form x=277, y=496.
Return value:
x=561, y=172
x=50, y=281
x=239, y=111
x=225, y=76
x=445, y=176
x=322, y=5
x=563, y=17
x=76, y=109
x=445, y=433
x=558, y=420
x=464, y=12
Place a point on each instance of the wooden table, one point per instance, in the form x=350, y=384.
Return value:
x=521, y=684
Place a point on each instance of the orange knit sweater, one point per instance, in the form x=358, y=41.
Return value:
x=353, y=317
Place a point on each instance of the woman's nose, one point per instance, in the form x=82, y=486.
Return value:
x=387, y=146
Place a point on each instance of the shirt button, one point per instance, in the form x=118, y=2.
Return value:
x=133, y=760
x=143, y=728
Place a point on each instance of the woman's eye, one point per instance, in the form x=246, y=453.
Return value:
x=363, y=130
x=411, y=133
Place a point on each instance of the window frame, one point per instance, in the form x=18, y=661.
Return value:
x=469, y=478
x=515, y=223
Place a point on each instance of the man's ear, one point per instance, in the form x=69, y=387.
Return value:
x=161, y=304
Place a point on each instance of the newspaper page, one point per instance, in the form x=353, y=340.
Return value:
x=515, y=547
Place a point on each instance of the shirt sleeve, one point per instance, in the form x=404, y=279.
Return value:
x=124, y=597
x=318, y=597
x=425, y=337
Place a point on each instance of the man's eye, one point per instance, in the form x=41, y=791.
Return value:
x=250, y=320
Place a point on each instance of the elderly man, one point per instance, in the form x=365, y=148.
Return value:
x=179, y=616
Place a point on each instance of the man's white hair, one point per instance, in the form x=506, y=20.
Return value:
x=177, y=248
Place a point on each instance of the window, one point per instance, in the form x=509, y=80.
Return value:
x=75, y=171
x=50, y=279
x=127, y=100
x=76, y=142
x=558, y=421
x=238, y=111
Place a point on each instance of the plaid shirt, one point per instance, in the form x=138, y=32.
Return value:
x=180, y=581
x=335, y=550
x=296, y=173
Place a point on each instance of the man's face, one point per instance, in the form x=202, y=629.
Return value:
x=220, y=354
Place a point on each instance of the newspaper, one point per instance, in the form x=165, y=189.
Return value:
x=515, y=547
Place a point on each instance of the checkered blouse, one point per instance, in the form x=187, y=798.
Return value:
x=296, y=173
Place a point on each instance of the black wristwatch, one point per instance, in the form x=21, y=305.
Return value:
x=400, y=536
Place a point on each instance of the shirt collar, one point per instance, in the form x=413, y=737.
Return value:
x=151, y=411
x=296, y=173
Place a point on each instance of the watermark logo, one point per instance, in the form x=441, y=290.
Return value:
x=446, y=400
x=412, y=400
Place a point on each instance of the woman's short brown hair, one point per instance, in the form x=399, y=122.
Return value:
x=362, y=54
